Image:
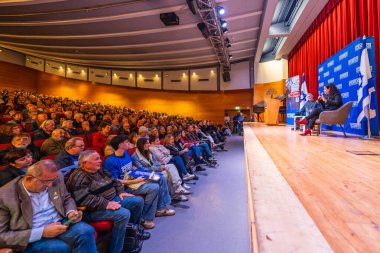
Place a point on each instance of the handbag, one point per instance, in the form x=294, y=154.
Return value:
x=132, y=241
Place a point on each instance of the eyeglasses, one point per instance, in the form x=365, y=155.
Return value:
x=45, y=182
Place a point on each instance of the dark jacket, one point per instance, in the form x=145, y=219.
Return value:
x=332, y=103
x=33, y=149
x=174, y=150
x=63, y=160
x=39, y=134
x=8, y=174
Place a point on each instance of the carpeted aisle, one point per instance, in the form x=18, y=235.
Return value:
x=215, y=219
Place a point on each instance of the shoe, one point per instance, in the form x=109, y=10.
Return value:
x=306, y=132
x=144, y=235
x=148, y=224
x=199, y=168
x=302, y=121
x=212, y=159
x=195, y=177
x=178, y=197
x=181, y=190
x=165, y=212
x=186, y=186
x=188, y=177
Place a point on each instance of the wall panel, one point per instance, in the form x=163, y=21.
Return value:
x=15, y=77
x=123, y=78
x=149, y=79
x=55, y=68
x=203, y=79
x=176, y=80
x=200, y=105
x=76, y=72
x=34, y=62
x=99, y=75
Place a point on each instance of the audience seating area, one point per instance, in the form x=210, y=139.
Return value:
x=36, y=117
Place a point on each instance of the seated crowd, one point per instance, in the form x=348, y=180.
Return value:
x=64, y=160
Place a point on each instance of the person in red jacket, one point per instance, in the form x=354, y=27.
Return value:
x=99, y=139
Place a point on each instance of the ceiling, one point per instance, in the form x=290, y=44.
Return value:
x=130, y=34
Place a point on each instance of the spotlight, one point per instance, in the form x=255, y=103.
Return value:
x=202, y=27
x=230, y=57
x=220, y=10
x=224, y=30
x=223, y=23
x=190, y=3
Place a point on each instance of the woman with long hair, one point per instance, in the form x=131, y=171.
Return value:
x=331, y=101
x=144, y=159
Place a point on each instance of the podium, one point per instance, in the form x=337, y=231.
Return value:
x=271, y=111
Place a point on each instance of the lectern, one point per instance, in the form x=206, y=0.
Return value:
x=271, y=112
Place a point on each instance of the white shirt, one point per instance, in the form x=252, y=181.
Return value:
x=44, y=213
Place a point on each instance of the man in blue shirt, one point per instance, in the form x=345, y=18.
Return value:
x=33, y=209
x=68, y=158
x=119, y=164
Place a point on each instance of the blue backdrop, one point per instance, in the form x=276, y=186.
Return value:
x=343, y=70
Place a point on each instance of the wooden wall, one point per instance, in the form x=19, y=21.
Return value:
x=264, y=90
x=200, y=105
x=15, y=77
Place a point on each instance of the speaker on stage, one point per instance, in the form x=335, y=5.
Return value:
x=226, y=76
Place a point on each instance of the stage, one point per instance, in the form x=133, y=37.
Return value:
x=309, y=193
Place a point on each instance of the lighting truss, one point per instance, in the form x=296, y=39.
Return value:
x=209, y=16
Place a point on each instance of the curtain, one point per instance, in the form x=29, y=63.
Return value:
x=339, y=23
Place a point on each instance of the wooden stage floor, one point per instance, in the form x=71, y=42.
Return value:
x=340, y=190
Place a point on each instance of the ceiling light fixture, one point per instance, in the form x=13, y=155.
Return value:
x=220, y=10
x=223, y=23
x=216, y=28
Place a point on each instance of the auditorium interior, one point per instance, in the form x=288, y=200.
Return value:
x=272, y=106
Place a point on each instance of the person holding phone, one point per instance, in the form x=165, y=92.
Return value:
x=331, y=101
x=32, y=210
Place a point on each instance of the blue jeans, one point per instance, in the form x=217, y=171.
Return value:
x=78, y=238
x=131, y=209
x=151, y=191
x=195, y=152
x=164, y=198
x=206, y=150
x=178, y=162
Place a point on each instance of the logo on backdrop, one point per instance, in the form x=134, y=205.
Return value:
x=354, y=70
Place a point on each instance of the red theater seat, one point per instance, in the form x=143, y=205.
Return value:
x=49, y=157
x=101, y=226
x=5, y=145
x=38, y=143
x=131, y=151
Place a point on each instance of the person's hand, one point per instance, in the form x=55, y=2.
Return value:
x=73, y=213
x=124, y=194
x=321, y=97
x=54, y=230
x=112, y=205
x=186, y=150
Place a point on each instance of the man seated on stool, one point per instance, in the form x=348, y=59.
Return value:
x=34, y=207
x=308, y=107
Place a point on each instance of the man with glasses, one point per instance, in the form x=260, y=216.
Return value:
x=67, y=159
x=33, y=209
